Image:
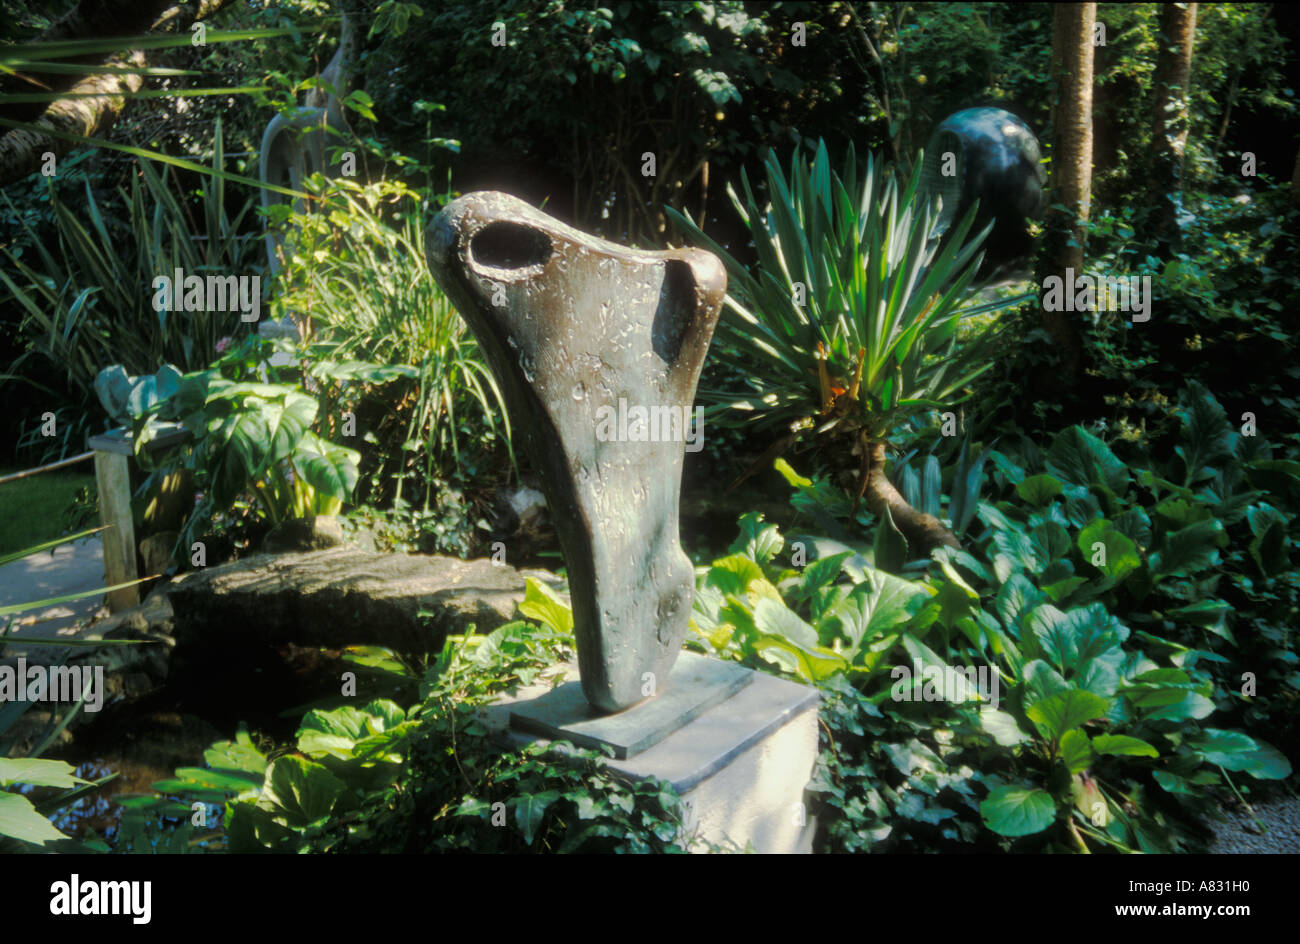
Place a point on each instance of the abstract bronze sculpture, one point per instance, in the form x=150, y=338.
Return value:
x=577, y=330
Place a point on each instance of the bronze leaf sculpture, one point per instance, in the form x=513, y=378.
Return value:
x=598, y=349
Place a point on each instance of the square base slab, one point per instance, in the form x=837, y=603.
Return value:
x=740, y=768
x=695, y=685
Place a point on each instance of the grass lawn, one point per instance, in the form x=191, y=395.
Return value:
x=31, y=509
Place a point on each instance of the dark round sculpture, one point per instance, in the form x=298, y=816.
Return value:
x=996, y=160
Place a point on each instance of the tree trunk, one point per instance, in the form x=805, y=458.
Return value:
x=22, y=150
x=1295, y=180
x=1071, y=183
x=1177, y=37
x=923, y=532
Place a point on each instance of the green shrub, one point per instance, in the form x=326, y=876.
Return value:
x=364, y=284
x=1099, y=599
x=428, y=779
x=85, y=300
x=254, y=439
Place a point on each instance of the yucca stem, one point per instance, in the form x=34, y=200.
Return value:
x=924, y=532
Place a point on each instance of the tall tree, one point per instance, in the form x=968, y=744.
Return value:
x=1177, y=36
x=1071, y=178
x=90, y=102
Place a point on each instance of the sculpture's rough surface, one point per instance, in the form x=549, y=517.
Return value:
x=571, y=325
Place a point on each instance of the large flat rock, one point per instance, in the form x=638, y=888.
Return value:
x=343, y=596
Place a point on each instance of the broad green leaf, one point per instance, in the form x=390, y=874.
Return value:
x=776, y=619
x=1050, y=542
x=1123, y=745
x=236, y=756
x=1039, y=680
x=1078, y=457
x=1189, y=550
x=1038, y=490
x=758, y=540
x=1229, y=749
x=543, y=604
x=1192, y=708
x=813, y=663
x=1269, y=546
x=734, y=574
x=38, y=773
x=302, y=791
x=1266, y=762
x=328, y=468
x=1015, y=599
x=204, y=780
x=19, y=820
x=1208, y=437
x=1001, y=726
x=1076, y=752
x=1069, y=640
x=1018, y=811
x=1066, y=710
x=821, y=572
x=1105, y=548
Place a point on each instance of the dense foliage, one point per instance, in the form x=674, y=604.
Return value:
x=1102, y=653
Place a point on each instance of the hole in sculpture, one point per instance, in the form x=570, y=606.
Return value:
x=510, y=246
x=675, y=311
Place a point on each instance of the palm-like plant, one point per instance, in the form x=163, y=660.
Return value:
x=849, y=324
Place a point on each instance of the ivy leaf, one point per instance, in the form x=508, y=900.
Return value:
x=1018, y=811
x=530, y=810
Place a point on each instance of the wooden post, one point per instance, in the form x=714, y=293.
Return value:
x=113, y=452
x=113, y=476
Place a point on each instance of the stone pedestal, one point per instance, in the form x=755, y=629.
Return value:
x=740, y=765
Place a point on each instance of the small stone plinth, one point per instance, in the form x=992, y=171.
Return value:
x=740, y=766
x=695, y=685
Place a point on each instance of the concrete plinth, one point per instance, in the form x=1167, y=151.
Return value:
x=740, y=766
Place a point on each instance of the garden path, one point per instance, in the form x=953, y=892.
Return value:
x=70, y=568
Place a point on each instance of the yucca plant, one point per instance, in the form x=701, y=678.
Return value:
x=364, y=287
x=849, y=323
